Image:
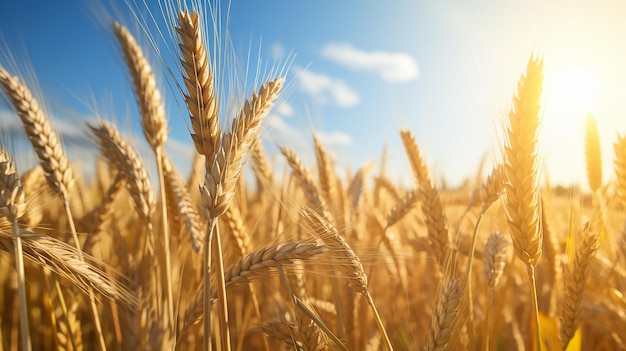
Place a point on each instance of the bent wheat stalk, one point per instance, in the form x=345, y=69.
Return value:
x=354, y=269
x=60, y=258
x=52, y=158
x=258, y=264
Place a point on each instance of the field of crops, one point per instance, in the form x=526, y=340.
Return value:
x=302, y=258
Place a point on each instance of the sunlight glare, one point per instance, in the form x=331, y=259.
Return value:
x=572, y=91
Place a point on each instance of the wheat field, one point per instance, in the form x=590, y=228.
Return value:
x=300, y=258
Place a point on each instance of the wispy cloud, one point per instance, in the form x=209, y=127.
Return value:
x=331, y=139
x=285, y=134
x=81, y=146
x=324, y=88
x=72, y=133
x=284, y=109
x=277, y=50
x=393, y=67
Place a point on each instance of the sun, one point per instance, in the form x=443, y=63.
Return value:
x=571, y=94
x=572, y=91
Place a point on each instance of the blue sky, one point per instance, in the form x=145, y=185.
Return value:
x=359, y=71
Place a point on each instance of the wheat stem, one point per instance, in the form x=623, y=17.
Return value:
x=222, y=305
x=535, y=308
x=21, y=287
x=57, y=286
x=166, y=238
x=468, y=278
x=379, y=321
x=488, y=319
x=320, y=323
x=206, y=291
x=92, y=297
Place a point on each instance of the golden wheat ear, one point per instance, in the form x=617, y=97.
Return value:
x=593, y=154
x=12, y=207
x=258, y=264
x=154, y=125
x=52, y=158
x=521, y=175
x=521, y=168
x=200, y=91
x=418, y=165
x=40, y=133
x=575, y=278
x=353, y=269
x=122, y=156
x=186, y=216
x=151, y=107
x=327, y=177
x=619, y=147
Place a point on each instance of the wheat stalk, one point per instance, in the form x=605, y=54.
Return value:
x=305, y=180
x=12, y=207
x=261, y=166
x=154, y=126
x=181, y=198
x=593, y=154
x=125, y=160
x=311, y=331
x=100, y=214
x=61, y=258
x=119, y=153
x=493, y=262
x=488, y=193
x=521, y=168
x=52, y=158
x=435, y=220
x=225, y=154
x=494, y=258
x=551, y=253
x=521, y=174
x=200, y=96
x=402, y=207
x=620, y=167
x=418, y=166
x=149, y=99
x=237, y=231
x=444, y=315
x=222, y=175
x=327, y=177
x=258, y=264
x=491, y=188
x=575, y=278
x=40, y=133
x=353, y=269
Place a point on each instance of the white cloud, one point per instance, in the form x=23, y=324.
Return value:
x=71, y=131
x=284, y=109
x=277, y=50
x=285, y=134
x=393, y=67
x=331, y=139
x=324, y=88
